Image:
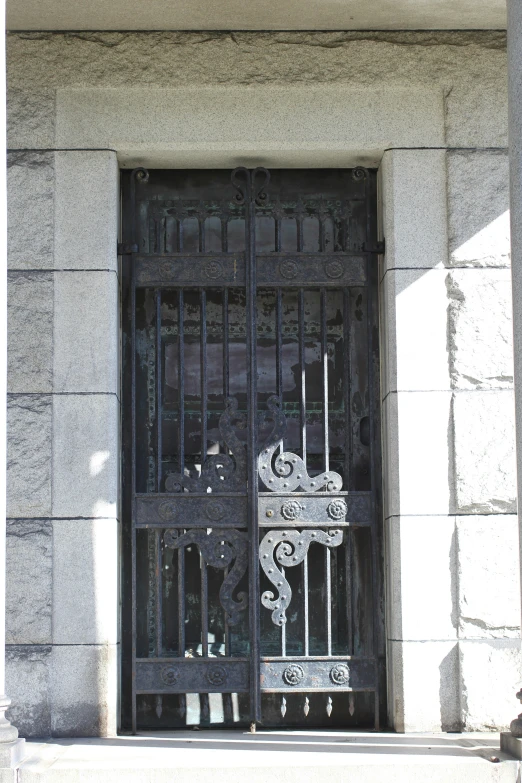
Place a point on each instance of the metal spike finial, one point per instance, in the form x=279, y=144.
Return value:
x=351, y=704
x=283, y=706
x=306, y=708
x=329, y=706
x=159, y=706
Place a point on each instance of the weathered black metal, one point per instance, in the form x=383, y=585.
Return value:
x=251, y=458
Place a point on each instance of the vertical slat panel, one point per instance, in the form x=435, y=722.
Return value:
x=181, y=602
x=226, y=357
x=306, y=619
x=181, y=379
x=158, y=609
x=203, y=354
x=204, y=607
x=328, y=599
x=159, y=391
x=302, y=371
x=347, y=391
x=324, y=360
x=349, y=590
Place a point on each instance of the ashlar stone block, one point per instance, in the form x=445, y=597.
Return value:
x=86, y=210
x=85, y=455
x=490, y=672
x=85, y=583
x=30, y=332
x=416, y=453
x=478, y=208
x=484, y=443
x=30, y=210
x=86, y=332
x=84, y=690
x=489, y=576
x=29, y=420
x=480, y=329
x=414, y=208
x=27, y=669
x=29, y=563
x=422, y=595
x=414, y=329
x=424, y=686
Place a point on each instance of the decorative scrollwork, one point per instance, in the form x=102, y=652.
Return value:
x=169, y=675
x=359, y=173
x=219, y=472
x=337, y=509
x=166, y=511
x=219, y=549
x=340, y=674
x=215, y=510
x=216, y=675
x=293, y=674
x=290, y=548
x=170, y=537
x=334, y=268
x=289, y=471
x=288, y=269
x=250, y=184
x=291, y=510
x=213, y=269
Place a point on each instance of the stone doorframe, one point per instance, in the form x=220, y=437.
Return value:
x=401, y=131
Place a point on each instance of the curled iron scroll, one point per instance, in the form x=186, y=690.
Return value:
x=290, y=548
x=287, y=472
x=219, y=549
x=220, y=471
x=251, y=185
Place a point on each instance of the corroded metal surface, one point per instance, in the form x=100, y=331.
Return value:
x=251, y=455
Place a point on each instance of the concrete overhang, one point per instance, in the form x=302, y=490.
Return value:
x=251, y=15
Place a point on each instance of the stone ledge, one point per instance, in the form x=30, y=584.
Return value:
x=291, y=756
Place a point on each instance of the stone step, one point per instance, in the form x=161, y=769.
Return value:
x=270, y=757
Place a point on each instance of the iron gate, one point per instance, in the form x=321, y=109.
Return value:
x=251, y=449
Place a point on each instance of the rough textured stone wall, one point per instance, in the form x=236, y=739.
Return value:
x=453, y=642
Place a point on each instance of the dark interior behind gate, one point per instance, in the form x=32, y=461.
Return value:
x=252, y=588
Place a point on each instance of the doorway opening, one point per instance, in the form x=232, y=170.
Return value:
x=251, y=450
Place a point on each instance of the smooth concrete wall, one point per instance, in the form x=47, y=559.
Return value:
x=430, y=111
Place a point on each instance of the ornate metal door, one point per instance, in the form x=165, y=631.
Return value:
x=251, y=459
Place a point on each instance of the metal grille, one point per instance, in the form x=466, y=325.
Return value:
x=251, y=459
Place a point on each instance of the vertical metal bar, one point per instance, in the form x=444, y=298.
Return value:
x=371, y=292
x=180, y=234
x=251, y=316
x=203, y=355
x=143, y=175
x=159, y=391
x=302, y=366
x=204, y=607
x=181, y=380
x=158, y=609
x=328, y=569
x=349, y=589
x=181, y=602
x=277, y=230
x=305, y=607
x=226, y=358
x=283, y=628
x=347, y=392
x=324, y=359
x=201, y=233
x=279, y=343
x=224, y=234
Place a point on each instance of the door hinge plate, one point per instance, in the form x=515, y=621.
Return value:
x=126, y=248
x=374, y=247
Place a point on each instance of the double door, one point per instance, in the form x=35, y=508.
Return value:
x=251, y=462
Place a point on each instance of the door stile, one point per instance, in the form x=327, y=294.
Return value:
x=250, y=186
